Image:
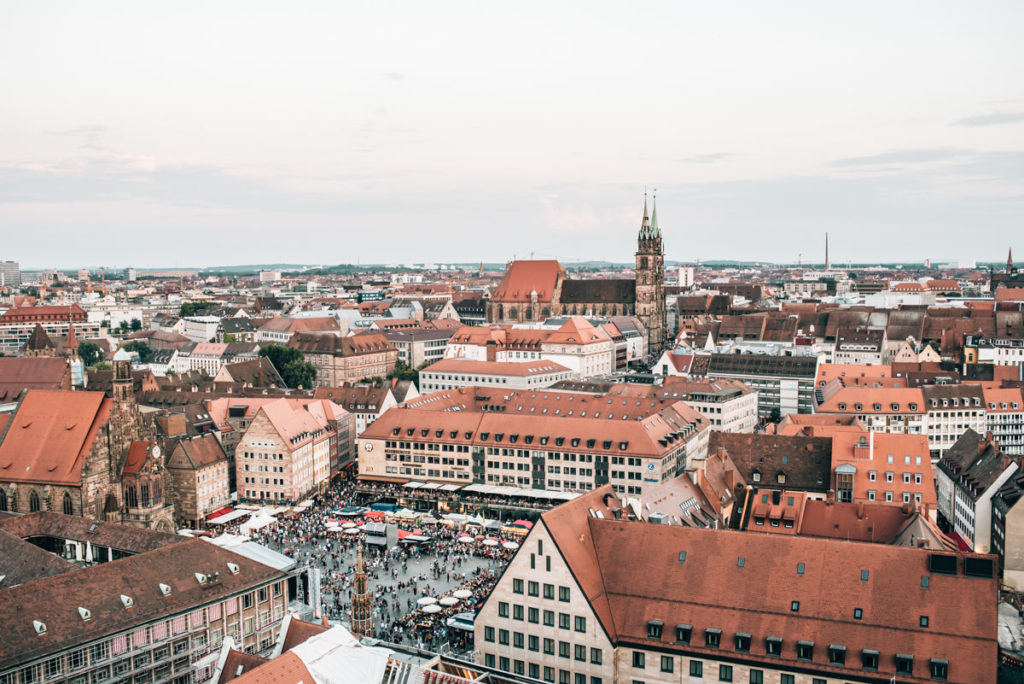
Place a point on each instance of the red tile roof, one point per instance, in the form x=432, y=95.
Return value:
x=50, y=435
x=523, y=277
x=738, y=582
x=510, y=368
x=138, y=452
x=287, y=668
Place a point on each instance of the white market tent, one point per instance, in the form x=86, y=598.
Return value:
x=258, y=521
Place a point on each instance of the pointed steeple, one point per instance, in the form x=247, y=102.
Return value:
x=1009, y=261
x=71, y=346
x=362, y=609
x=655, y=231
x=645, y=224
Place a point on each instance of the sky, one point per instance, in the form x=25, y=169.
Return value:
x=197, y=134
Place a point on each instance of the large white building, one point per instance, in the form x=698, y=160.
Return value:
x=453, y=373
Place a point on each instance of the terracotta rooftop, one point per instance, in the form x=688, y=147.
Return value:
x=790, y=588
x=20, y=374
x=523, y=277
x=124, y=538
x=50, y=434
x=98, y=588
x=510, y=368
x=781, y=462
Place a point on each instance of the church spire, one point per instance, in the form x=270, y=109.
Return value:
x=655, y=231
x=1009, y=261
x=645, y=224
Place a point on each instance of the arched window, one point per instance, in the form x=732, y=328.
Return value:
x=131, y=497
x=3, y=500
x=33, y=502
x=69, y=508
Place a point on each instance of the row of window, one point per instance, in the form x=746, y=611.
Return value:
x=904, y=664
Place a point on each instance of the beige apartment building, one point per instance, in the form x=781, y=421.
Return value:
x=541, y=447
x=284, y=455
x=347, y=359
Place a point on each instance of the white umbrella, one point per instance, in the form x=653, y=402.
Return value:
x=352, y=530
x=348, y=525
x=448, y=601
x=490, y=542
x=432, y=608
x=466, y=539
x=511, y=546
x=462, y=593
x=426, y=600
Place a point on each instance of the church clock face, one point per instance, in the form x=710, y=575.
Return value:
x=369, y=446
x=156, y=451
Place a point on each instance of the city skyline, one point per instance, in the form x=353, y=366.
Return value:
x=239, y=134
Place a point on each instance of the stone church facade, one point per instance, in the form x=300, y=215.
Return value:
x=83, y=453
x=535, y=290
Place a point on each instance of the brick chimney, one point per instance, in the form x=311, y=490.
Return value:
x=860, y=510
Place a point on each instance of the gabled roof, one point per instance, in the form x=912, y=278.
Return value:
x=577, y=330
x=598, y=291
x=20, y=374
x=138, y=452
x=38, y=340
x=524, y=277
x=50, y=435
x=804, y=462
x=202, y=450
x=99, y=588
x=741, y=582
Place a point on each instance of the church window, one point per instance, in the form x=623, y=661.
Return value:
x=33, y=502
x=68, y=506
x=131, y=497
x=3, y=500
x=145, y=495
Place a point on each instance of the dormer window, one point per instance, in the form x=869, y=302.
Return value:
x=904, y=664
x=842, y=406
x=84, y=613
x=869, y=659
x=683, y=633
x=712, y=637
x=805, y=650
x=165, y=589
x=858, y=407
x=654, y=628
x=836, y=654
x=742, y=642
x=773, y=646
x=877, y=407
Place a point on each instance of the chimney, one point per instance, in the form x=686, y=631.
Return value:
x=860, y=510
x=492, y=350
x=830, y=498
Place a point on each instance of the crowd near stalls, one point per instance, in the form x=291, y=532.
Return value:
x=427, y=571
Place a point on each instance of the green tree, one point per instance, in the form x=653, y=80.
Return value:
x=89, y=352
x=192, y=308
x=103, y=365
x=136, y=324
x=145, y=353
x=404, y=372
x=290, y=363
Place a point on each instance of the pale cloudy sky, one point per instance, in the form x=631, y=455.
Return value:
x=201, y=133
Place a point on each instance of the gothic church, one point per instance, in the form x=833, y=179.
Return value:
x=535, y=290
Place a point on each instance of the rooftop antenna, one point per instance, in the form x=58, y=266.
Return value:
x=826, y=250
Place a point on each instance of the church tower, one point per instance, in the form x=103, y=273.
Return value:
x=362, y=610
x=650, y=279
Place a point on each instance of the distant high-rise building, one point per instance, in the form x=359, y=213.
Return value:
x=130, y=274
x=10, y=274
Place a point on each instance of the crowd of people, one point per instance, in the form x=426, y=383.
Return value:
x=399, y=576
